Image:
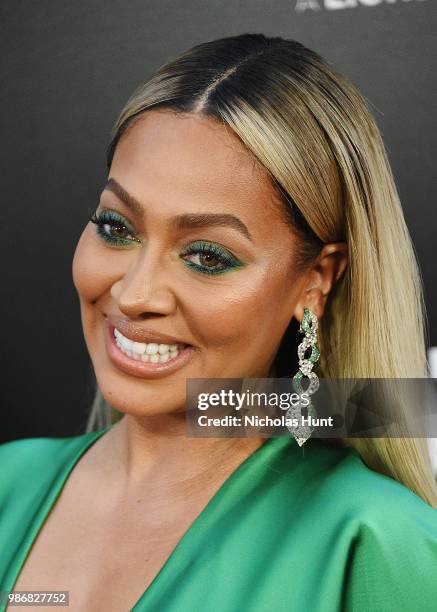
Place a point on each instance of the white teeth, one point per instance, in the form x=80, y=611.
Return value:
x=152, y=348
x=146, y=352
x=139, y=347
x=126, y=343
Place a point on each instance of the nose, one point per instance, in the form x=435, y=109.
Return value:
x=144, y=291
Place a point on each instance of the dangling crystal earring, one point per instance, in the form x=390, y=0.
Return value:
x=308, y=326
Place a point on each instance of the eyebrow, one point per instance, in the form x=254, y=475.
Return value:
x=185, y=221
x=124, y=196
x=192, y=220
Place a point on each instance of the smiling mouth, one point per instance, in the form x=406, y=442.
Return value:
x=147, y=352
x=145, y=359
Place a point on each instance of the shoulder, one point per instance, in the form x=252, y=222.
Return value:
x=362, y=488
x=38, y=458
x=392, y=535
x=19, y=451
x=374, y=502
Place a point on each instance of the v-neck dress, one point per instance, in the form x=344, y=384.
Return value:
x=292, y=529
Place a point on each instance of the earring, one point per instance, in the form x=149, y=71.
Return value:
x=308, y=326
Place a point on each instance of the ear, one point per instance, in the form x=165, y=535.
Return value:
x=320, y=278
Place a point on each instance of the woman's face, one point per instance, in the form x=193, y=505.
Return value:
x=204, y=261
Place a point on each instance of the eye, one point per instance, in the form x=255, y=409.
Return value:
x=209, y=258
x=113, y=228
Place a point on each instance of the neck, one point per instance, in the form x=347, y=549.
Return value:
x=155, y=451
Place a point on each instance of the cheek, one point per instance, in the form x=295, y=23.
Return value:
x=90, y=268
x=252, y=310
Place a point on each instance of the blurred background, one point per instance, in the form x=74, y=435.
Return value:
x=66, y=69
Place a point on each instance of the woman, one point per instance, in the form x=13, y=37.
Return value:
x=247, y=181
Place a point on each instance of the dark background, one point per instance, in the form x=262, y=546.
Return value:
x=66, y=69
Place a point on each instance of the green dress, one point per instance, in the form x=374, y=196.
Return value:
x=292, y=529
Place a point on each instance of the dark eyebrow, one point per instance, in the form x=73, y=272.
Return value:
x=124, y=196
x=185, y=221
x=192, y=220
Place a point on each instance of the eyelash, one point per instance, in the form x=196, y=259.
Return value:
x=225, y=259
x=113, y=220
x=201, y=247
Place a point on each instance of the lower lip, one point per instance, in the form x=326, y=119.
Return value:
x=139, y=368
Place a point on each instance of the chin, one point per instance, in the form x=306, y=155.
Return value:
x=140, y=399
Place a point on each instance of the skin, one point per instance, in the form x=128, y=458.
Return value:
x=170, y=165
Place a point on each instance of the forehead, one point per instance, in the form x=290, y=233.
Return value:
x=191, y=163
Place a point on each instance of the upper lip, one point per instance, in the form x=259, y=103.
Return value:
x=140, y=334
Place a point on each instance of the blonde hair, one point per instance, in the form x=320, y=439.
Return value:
x=314, y=135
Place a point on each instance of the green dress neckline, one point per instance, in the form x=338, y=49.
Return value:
x=182, y=552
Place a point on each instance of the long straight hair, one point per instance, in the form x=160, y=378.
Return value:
x=316, y=138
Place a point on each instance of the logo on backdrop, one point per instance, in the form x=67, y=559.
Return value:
x=333, y=5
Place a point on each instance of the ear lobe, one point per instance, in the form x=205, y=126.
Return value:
x=315, y=300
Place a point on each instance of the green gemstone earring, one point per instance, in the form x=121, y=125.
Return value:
x=308, y=326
